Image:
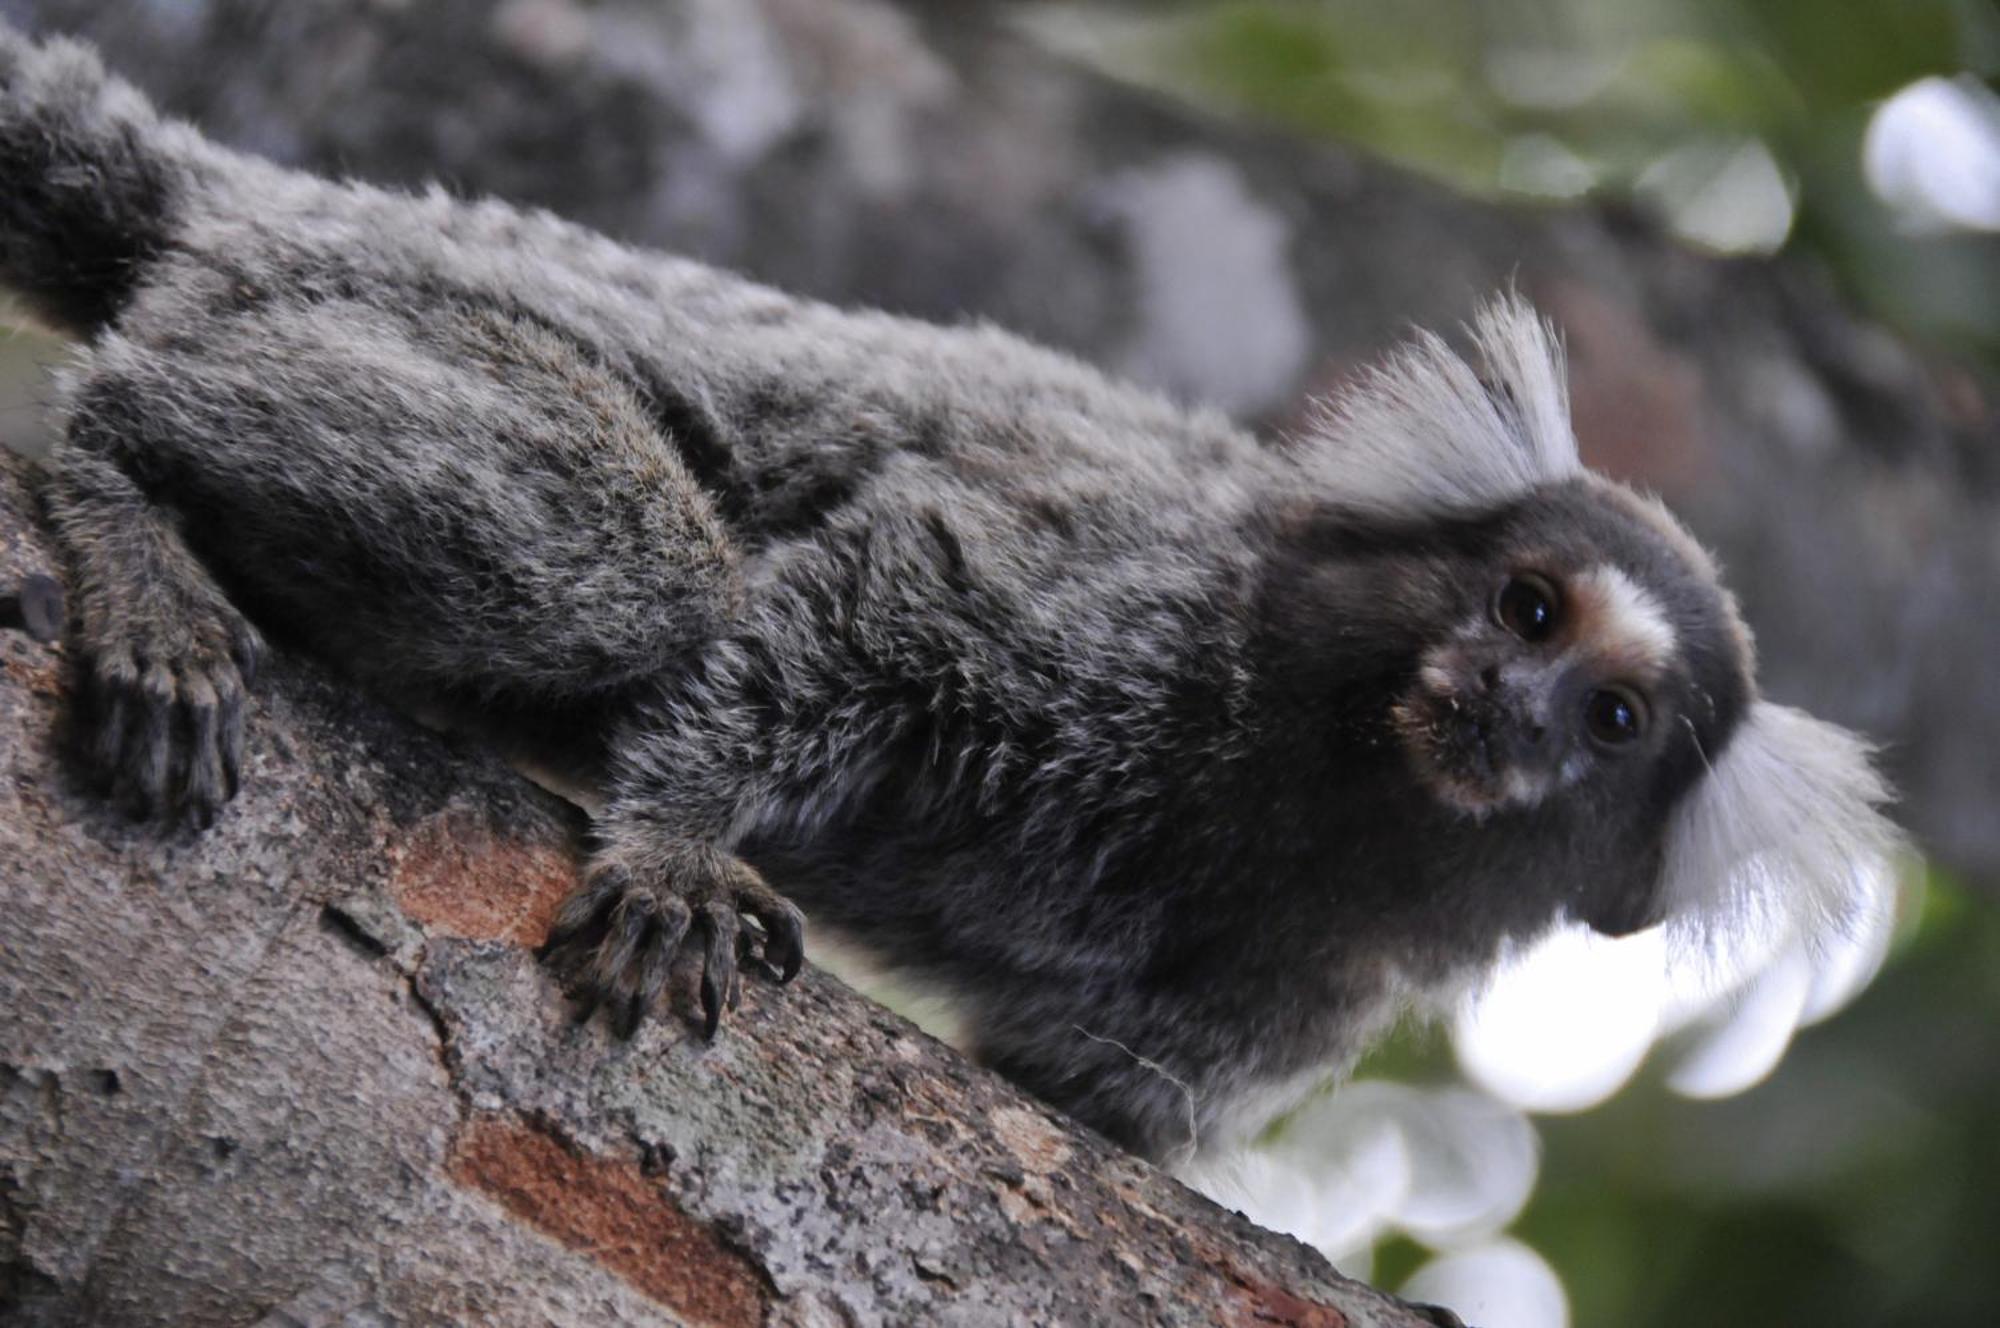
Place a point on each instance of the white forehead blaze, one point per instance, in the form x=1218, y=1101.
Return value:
x=1624, y=619
x=1427, y=431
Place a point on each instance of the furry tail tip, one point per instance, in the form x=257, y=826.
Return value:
x=87, y=181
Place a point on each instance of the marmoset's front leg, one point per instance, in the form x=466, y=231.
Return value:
x=664, y=882
x=168, y=659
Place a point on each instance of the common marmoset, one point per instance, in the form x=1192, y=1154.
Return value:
x=1181, y=761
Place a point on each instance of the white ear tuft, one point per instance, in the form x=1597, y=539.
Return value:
x=1427, y=433
x=1784, y=838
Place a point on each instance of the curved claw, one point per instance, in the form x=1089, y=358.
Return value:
x=625, y=1020
x=711, y=1007
x=784, y=932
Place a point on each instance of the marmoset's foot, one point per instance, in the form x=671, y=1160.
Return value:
x=617, y=936
x=164, y=702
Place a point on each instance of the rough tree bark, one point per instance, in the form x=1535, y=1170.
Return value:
x=303, y=1069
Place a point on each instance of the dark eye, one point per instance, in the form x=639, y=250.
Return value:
x=1526, y=606
x=1614, y=716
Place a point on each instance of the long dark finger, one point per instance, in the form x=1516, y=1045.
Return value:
x=631, y=919
x=586, y=1006
x=783, y=924
x=630, y=1014
x=718, y=968
x=587, y=906
x=247, y=649
x=150, y=757
x=203, y=793
x=229, y=734
x=630, y=1010
x=111, y=704
x=571, y=951
x=656, y=960
x=711, y=1006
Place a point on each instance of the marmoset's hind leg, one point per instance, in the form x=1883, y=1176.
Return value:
x=439, y=499
x=167, y=659
x=452, y=504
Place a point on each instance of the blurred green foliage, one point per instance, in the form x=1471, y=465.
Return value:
x=1556, y=97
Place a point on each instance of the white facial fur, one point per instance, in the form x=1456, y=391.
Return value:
x=1625, y=622
x=1423, y=434
x=1785, y=837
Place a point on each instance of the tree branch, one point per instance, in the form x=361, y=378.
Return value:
x=302, y=1068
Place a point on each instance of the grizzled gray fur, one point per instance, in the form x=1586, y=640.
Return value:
x=1179, y=762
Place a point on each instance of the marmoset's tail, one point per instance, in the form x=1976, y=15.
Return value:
x=89, y=179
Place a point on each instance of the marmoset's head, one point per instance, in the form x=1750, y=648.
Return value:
x=1578, y=672
x=1596, y=658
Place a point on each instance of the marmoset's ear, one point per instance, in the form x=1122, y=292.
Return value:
x=1785, y=836
x=1425, y=432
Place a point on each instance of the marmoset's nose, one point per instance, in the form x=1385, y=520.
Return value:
x=1528, y=745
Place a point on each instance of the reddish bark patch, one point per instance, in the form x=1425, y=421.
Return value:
x=1253, y=1301
x=1274, y=1305
x=611, y=1213
x=454, y=875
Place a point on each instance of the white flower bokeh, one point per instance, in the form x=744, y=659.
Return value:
x=1560, y=1028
